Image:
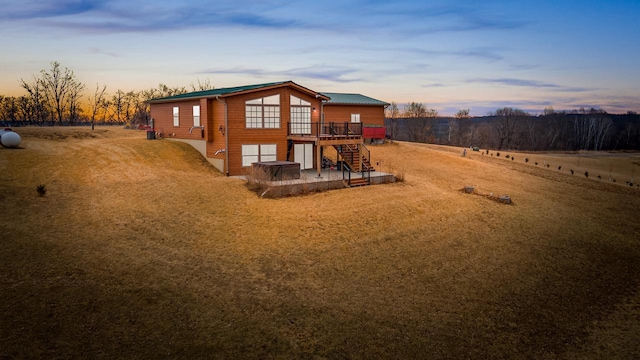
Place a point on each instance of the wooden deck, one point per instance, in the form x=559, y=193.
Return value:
x=328, y=140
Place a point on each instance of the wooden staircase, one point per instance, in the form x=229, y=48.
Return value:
x=358, y=181
x=352, y=157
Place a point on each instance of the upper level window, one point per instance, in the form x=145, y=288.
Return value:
x=176, y=116
x=295, y=101
x=263, y=112
x=355, y=118
x=300, y=116
x=196, y=115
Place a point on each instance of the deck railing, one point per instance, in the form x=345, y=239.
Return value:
x=330, y=129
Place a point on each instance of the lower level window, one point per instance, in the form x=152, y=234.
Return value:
x=256, y=153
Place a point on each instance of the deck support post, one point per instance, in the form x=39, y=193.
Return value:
x=319, y=159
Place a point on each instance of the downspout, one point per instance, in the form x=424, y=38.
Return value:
x=320, y=152
x=322, y=113
x=226, y=135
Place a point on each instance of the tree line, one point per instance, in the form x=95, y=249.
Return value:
x=56, y=97
x=514, y=129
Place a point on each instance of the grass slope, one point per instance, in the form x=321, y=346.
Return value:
x=140, y=250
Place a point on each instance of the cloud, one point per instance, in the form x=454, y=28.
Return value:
x=146, y=16
x=332, y=16
x=95, y=50
x=329, y=73
x=481, y=108
x=432, y=17
x=434, y=85
x=528, y=83
x=27, y=9
x=489, y=54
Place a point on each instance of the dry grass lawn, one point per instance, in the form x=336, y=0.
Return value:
x=139, y=249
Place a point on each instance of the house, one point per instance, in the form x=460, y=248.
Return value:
x=281, y=121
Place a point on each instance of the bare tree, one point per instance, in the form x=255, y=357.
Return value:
x=419, y=121
x=36, y=108
x=393, y=113
x=121, y=106
x=505, y=124
x=97, y=102
x=202, y=86
x=73, y=100
x=130, y=101
x=59, y=86
x=453, y=122
x=415, y=110
x=415, y=124
x=8, y=110
x=601, y=124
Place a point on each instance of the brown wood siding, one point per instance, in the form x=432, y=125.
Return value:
x=239, y=135
x=216, y=116
x=163, y=119
x=369, y=114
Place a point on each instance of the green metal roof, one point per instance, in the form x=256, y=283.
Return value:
x=352, y=99
x=219, y=92
x=334, y=98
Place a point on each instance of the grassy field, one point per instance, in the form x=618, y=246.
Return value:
x=139, y=249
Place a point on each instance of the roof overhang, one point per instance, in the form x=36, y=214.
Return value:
x=241, y=91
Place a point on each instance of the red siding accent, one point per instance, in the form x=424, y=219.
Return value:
x=374, y=132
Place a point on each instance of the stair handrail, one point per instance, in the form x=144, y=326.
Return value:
x=367, y=174
x=365, y=153
x=348, y=172
x=349, y=154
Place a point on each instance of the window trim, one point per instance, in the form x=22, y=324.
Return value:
x=300, y=115
x=260, y=153
x=196, y=115
x=355, y=118
x=176, y=116
x=267, y=115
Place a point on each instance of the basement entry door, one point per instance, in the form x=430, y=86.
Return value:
x=303, y=154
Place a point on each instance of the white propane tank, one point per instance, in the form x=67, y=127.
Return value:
x=9, y=139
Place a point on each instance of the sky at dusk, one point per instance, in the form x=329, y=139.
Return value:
x=449, y=55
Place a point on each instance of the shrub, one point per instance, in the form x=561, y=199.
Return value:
x=257, y=180
x=41, y=189
x=586, y=174
x=398, y=173
x=571, y=171
x=560, y=167
x=536, y=163
x=507, y=156
x=526, y=160
x=498, y=154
